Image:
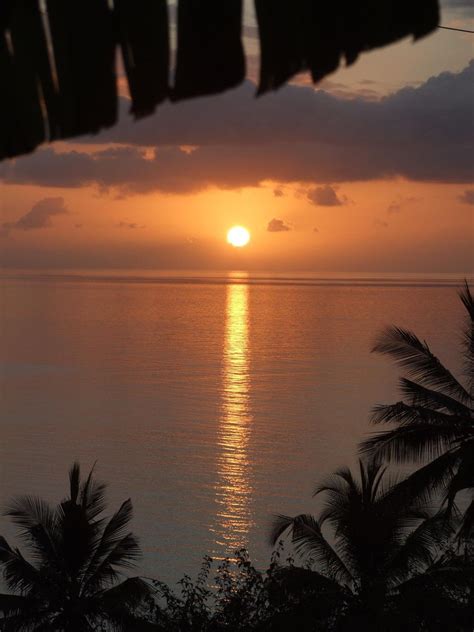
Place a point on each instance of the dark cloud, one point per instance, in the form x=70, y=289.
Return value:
x=467, y=197
x=315, y=230
x=396, y=205
x=236, y=117
x=325, y=196
x=278, y=193
x=297, y=135
x=39, y=216
x=380, y=223
x=277, y=226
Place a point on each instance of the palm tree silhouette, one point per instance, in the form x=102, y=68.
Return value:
x=436, y=421
x=72, y=582
x=375, y=545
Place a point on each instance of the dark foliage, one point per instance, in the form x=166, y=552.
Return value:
x=380, y=551
x=71, y=581
x=387, y=566
x=435, y=421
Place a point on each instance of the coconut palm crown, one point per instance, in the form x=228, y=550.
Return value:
x=369, y=542
x=435, y=420
x=379, y=540
x=72, y=580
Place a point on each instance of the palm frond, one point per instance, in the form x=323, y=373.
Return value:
x=415, y=356
x=14, y=604
x=412, y=443
x=308, y=540
x=410, y=415
x=422, y=547
x=468, y=335
x=18, y=573
x=74, y=481
x=92, y=496
x=112, y=534
x=427, y=482
x=466, y=532
x=464, y=477
x=123, y=555
x=467, y=299
x=341, y=480
x=335, y=509
x=372, y=472
x=36, y=621
x=422, y=396
x=129, y=594
x=28, y=511
x=339, y=489
x=280, y=525
x=38, y=526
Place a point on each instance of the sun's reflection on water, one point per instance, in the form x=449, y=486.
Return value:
x=234, y=488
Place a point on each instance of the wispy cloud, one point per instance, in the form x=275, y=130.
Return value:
x=400, y=201
x=130, y=225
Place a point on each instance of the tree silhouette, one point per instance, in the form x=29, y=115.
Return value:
x=377, y=546
x=73, y=581
x=435, y=421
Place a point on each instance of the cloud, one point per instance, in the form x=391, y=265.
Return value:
x=396, y=205
x=380, y=223
x=325, y=196
x=315, y=230
x=278, y=193
x=277, y=226
x=130, y=225
x=457, y=4
x=467, y=197
x=39, y=216
x=422, y=133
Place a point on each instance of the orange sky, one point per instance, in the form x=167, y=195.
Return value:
x=383, y=193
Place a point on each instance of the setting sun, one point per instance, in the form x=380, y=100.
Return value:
x=238, y=236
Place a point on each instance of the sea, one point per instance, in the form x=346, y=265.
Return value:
x=214, y=400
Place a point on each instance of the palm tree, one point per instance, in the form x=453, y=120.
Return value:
x=435, y=421
x=72, y=581
x=375, y=544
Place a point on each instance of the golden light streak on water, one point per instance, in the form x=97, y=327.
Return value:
x=234, y=487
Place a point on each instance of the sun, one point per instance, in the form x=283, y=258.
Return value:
x=238, y=236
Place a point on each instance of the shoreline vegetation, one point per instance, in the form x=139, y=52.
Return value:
x=386, y=552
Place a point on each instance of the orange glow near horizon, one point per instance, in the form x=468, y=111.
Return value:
x=377, y=228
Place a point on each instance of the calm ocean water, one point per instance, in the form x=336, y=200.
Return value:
x=213, y=401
